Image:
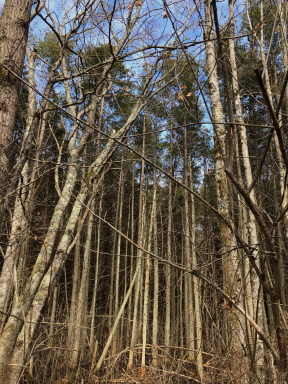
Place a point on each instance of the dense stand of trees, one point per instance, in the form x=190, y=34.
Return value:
x=144, y=201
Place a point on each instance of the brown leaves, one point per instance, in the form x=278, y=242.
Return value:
x=278, y=28
x=165, y=16
x=180, y=96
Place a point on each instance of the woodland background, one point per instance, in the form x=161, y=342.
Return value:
x=144, y=200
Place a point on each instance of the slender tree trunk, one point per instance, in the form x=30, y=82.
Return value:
x=196, y=285
x=80, y=331
x=231, y=271
x=274, y=264
x=188, y=285
x=117, y=319
x=133, y=252
x=147, y=276
x=252, y=285
x=74, y=296
x=93, y=342
x=139, y=262
x=167, y=335
x=155, y=320
x=119, y=216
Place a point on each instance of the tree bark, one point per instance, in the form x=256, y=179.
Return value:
x=251, y=285
x=14, y=26
x=230, y=262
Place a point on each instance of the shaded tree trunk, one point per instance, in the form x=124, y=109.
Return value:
x=14, y=26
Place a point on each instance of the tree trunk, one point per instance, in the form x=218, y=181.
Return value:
x=147, y=275
x=14, y=26
x=139, y=262
x=155, y=321
x=251, y=283
x=198, y=344
x=188, y=282
x=81, y=326
x=167, y=332
x=115, y=294
x=230, y=263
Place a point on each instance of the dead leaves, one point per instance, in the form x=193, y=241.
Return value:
x=181, y=96
x=278, y=28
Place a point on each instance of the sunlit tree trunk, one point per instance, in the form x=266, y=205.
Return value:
x=198, y=343
x=274, y=266
x=251, y=286
x=230, y=262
